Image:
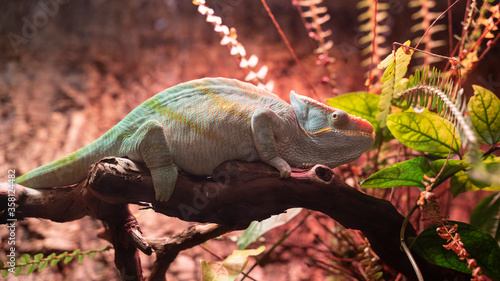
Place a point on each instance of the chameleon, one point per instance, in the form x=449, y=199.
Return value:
x=195, y=126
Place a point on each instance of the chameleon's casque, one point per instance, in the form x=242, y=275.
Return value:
x=195, y=126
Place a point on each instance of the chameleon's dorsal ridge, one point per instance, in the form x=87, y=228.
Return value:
x=197, y=125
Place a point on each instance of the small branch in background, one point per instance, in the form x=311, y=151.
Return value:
x=479, y=25
x=426, y=21
x=289, y=47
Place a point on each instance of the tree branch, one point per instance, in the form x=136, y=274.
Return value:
x=237, y=194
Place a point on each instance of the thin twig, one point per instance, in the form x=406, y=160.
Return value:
x=290, y=49
x=432, y=24
x=374, y=44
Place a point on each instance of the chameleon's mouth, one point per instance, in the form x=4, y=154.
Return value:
x=352, y=133
x=349, y=133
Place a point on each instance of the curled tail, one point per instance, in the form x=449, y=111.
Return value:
x=72, y=168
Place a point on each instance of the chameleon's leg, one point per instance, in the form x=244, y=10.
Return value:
x=149, y=143
x=263, y=121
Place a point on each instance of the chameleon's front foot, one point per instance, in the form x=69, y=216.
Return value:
x=164, y=179
x=282, y=166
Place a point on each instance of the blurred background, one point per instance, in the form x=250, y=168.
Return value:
x=70, y=70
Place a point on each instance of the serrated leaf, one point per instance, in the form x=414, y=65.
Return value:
x=38, y=257
x=30, y=268
x=80, y=258
x=486, y=215
x=478, y=243
x=484, y=108
x=392, y=79
x=425, y=132
x=361, y=104
x=407, y=173
x=257, y=229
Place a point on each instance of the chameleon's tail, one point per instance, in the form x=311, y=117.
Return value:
x=72, y=168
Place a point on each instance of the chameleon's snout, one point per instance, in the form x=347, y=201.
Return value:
x=364, y=126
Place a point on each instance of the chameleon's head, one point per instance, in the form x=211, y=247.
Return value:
x=336, y=136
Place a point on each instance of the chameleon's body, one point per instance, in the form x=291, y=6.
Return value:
x=195, y=126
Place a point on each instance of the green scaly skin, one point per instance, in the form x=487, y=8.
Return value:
x=195, y=126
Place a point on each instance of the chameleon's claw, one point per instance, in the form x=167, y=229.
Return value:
x=282, y=166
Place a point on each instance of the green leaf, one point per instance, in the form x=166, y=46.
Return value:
x=392, y=80
x=478, y=243
x=68, y=258
x=452, y=167
x=426, y=132
x=230, y=268
x=42, y=265
x=478, y=178
x=80, y=258
x=460, y=183
x=54, y=261
x=18, y=270
x=25, y=259
x=407, y=173
x=38, y=257
x=30, y=268
x=484, y=108
x=257, y=229
x=5, y=272
x=361, y=104
x=486, y=215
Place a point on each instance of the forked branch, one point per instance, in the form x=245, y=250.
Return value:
x=237, y=194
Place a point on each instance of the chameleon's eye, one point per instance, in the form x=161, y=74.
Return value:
x=340, y=118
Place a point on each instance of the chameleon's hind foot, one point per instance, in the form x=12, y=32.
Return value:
x=164, y=179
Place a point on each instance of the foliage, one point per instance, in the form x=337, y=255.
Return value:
x=484, y=108
x=485, y=215
x=373, y=24
x=314, y=15
x=477, y=243
x=230, y=268
x=427, y=113
x=424, y=18
x=480, y=24
x=403, y=110
x=437, y=137
x=257, y=229
x=39, y=262
x=396, y=65
x=236, y=49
